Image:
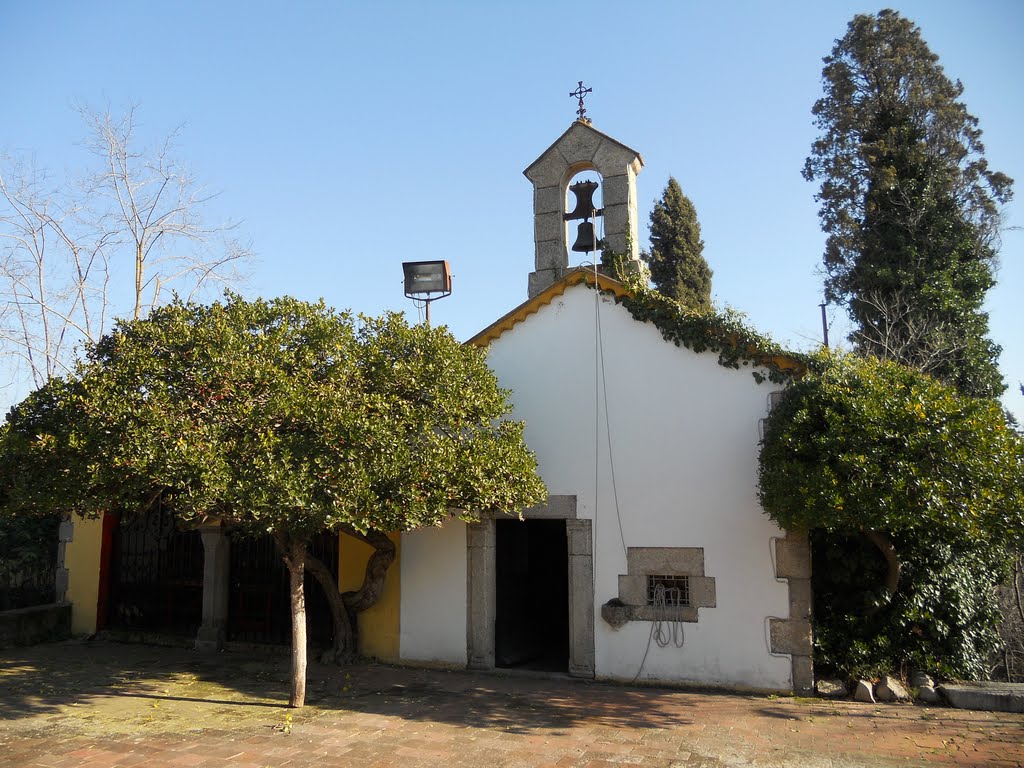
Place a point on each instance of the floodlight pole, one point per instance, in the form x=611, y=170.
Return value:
x=423, y=278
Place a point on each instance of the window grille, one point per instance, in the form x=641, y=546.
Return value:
x=670, y=591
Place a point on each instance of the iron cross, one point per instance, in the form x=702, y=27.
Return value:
x=581, y=93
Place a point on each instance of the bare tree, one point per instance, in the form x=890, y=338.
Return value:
x=895, y=328
x=116, y=241
x=1007, y=661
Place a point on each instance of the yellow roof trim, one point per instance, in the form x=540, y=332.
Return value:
x=545, y=297
x=587, y=275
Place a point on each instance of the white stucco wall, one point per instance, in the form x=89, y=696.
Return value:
x=433, y=614
x=685, y=437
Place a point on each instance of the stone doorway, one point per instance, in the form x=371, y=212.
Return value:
x=483, y=585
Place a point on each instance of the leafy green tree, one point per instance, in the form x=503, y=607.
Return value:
x=909, y=204
x=29, y=547
x=944, y=618
x=277, y=417
x=676, y=260
x=933, y=479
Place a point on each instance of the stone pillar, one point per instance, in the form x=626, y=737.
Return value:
x=65, y=535
x=481, y=565
x=216, y=580
x=581, y=597
x=794, y=635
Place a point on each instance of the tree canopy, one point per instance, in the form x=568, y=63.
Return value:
x=909, y=204
x=277, y=417
x=676, y=260
x=867, y=444
x=913, y=492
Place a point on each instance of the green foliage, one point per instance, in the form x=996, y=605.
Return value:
x=860, y=445
x=677, y=264
x=278, y=417
x=618, y=267
x=865, y=444
x=944, y=617
x=42, y=454
x=909, y=204
x=1007, y=662
x=274, y=416
x=29, y=547
x=725, y=332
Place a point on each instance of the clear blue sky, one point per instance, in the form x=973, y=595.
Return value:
x=350, y=137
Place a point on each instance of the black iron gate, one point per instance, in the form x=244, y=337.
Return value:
x=156, y=583
x=260, y=610
x=156, y=579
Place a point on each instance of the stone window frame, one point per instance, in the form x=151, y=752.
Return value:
x=641, y=562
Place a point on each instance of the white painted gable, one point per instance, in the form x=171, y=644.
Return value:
x=659, y=445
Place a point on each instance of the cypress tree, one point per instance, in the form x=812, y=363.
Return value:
x=676, y=260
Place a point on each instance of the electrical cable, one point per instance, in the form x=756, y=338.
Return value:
x=599, y=354
x=597, y=416
x=676, y=635
x=647, y=650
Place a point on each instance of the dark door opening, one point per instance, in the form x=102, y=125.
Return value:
x=532, y=595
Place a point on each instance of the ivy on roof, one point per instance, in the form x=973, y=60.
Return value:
x=723, y=332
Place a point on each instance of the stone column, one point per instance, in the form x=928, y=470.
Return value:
x=65, y=535
x=481, y=565
x=794, y=635
x=581, y=597
x=216, y=580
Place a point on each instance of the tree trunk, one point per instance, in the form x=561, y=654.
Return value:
x=345, y=645
x=346, y=607
x=892, y=576
x=294, y=555
x=376, y=568
x=139, y=267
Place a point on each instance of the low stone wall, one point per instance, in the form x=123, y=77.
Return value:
x=38, y=624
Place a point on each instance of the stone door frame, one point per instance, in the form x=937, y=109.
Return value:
x=481, y=586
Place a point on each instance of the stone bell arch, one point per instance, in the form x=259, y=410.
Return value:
x=582, y=147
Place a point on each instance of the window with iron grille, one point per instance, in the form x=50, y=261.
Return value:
x=661, y=584
x=675, y=590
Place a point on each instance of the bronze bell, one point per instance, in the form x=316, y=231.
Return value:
x=584, y=191
x=585, y=241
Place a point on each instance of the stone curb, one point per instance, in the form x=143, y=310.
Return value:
x=988, y=697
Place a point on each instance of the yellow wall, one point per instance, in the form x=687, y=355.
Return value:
x=82, y=559
x=379, y=624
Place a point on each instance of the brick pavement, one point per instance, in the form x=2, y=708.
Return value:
x=104, y=704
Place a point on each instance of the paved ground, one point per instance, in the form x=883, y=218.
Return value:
x=105, y=704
